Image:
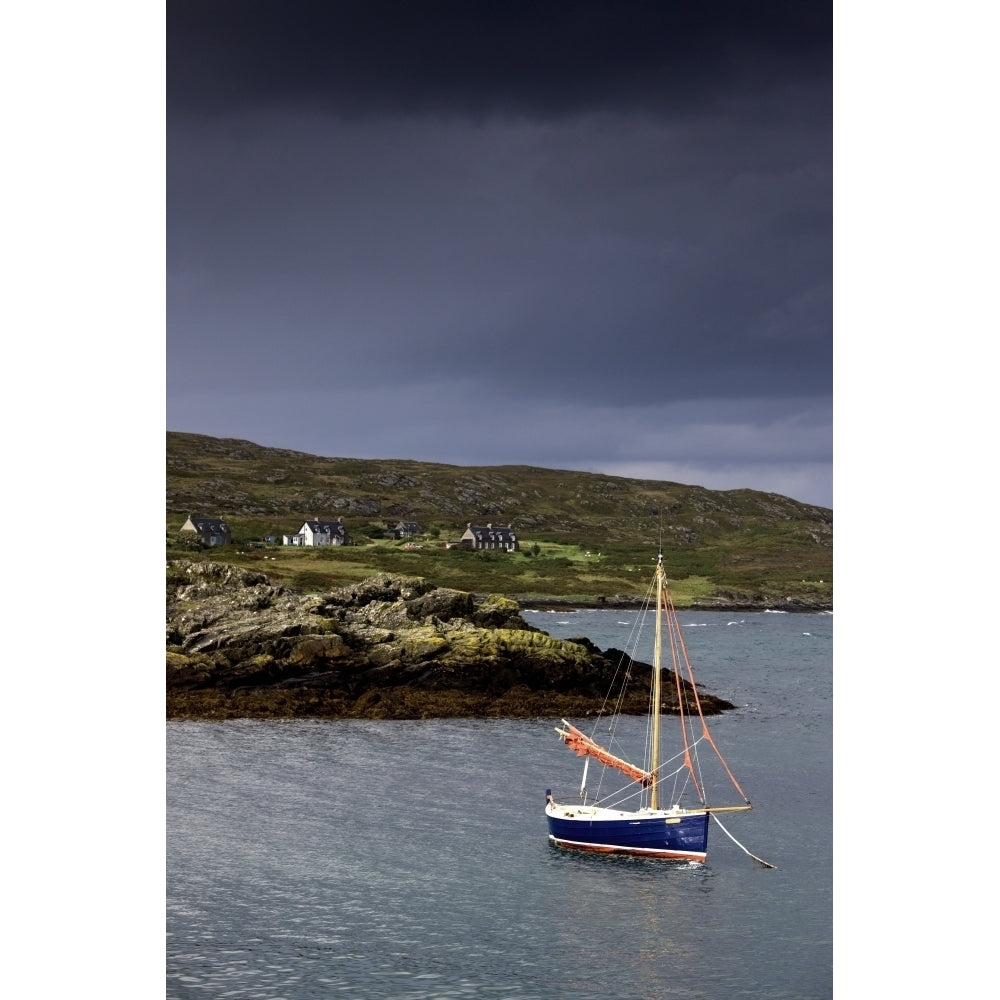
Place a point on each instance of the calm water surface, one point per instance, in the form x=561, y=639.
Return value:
x=411, y=860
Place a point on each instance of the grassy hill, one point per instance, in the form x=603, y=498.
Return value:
x=584, y=537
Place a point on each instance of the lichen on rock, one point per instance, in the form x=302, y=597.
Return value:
x=387, y=647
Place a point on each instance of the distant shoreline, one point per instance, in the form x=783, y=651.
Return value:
x=556, y=604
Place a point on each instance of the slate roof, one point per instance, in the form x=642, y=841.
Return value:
x=493, y=532
x=209, y=525
x=326, y=527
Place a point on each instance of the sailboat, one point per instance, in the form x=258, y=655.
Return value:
x=662, y=811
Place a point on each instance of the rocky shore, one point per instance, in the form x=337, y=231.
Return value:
x=389, y=647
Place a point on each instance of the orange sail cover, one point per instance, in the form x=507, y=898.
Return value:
x=586, y=747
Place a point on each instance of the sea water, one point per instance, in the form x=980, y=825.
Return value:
x=411, y=859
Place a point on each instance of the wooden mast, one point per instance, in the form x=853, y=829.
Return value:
x=654, y=763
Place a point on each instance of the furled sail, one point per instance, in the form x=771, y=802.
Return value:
x=586, y=747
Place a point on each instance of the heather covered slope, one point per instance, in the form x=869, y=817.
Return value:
x=585, y=538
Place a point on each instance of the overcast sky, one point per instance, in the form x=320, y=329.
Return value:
x=581, y=235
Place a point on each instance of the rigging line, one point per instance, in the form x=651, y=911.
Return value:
x=691, y=741
x=673, y=632
x=682, y=778
x=615, y=710
x=697, y=701
x=631, y=645
x=766, y=864
x=617, y=798
x=630, y=648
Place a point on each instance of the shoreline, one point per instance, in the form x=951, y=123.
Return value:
x=557, y=604
x=390, y=647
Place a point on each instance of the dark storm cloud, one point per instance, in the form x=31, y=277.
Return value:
x=455, y=218
x=488, y=58
x=564, y=256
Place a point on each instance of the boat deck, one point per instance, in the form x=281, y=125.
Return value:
x=599, y=813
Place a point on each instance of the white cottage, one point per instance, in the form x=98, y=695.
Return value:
x=322, y=533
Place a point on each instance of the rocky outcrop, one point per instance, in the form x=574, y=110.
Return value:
x=386, y=647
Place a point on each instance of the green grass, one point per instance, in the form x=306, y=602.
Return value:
x=584, y=537
x=560, y=572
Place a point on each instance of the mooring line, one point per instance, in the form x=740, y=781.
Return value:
x=739, y=845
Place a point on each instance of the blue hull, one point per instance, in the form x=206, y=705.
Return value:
x=682, y=838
